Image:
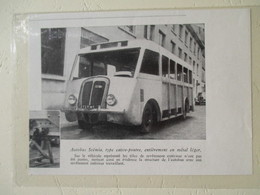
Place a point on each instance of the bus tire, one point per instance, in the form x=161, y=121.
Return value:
x=84, y=125
x=148, y=119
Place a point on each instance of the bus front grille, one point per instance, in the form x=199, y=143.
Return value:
x=97, y=93
x=93, y=94
x=86, y=92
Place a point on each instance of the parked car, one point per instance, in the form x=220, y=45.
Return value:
x=200, y=100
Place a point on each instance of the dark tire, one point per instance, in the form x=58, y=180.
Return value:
x=84, y=125
x=148, y=119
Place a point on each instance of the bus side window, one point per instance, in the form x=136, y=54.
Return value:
x=190, y=76
x=185, y=75
x=164, y=66
x=172, y=70
x=150, y=63
x=179, y=72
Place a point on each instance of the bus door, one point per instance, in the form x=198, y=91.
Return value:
x=165, y=88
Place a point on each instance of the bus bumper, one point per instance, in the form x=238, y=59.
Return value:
x=97, y=115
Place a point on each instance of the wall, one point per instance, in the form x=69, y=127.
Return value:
x=11, y=73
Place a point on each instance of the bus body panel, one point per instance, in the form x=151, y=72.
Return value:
x=73, y=88
x=179, y=98
x=152, y=90
x=165, y=98
x=124, y=89
x=173, y=101
x=190, y=99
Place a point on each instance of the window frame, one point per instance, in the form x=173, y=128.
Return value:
x=180, y=31
x=180, y=52
x=155, y=54
x=52, y=35
x=165, y=61
x=179, y=77
x=174, y=69
x=162, y=38
x=173, y=47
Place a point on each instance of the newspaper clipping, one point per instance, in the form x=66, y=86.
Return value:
x=140, y=93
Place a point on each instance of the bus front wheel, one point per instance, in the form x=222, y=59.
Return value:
x=84, y=125
x=148, y=119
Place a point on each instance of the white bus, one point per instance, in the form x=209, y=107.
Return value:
x=133, y=82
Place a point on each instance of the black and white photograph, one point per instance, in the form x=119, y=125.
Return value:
x=44, y=145
x=142, y=92
x=126, y=82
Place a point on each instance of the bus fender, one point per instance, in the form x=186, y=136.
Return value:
x=156, y=107
x=71, y=116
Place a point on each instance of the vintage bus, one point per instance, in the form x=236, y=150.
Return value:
x=133, y=82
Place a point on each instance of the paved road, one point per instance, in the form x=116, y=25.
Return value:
x=192, y=128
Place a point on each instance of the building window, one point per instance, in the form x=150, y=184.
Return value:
x=52, y=50
x=173, y=47
x=180, y=52
x=174, y=29
x=185, y=57
x=194, y=67
x=190, y=61
x=88, y=38
x=161, y=38
x=131, y=28
x=149, y=32
x=180, y=31
x=146, y=32
x=190, y=44
x=198, y=69
x=186, y=38
x=152, y=27
x=194, y=49
x=198, y=53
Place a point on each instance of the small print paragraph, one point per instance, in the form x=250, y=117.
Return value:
x=123, y=156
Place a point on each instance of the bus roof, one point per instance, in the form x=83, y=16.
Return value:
x=136, y=43
x=119, y=45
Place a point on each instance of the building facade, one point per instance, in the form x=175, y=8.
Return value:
x=59, y=46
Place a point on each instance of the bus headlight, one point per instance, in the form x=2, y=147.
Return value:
x=111, y=100
x=72, y=100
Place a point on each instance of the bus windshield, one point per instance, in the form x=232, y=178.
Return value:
x=111, y=63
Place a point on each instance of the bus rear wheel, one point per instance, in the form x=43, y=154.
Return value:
x=148, y=119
